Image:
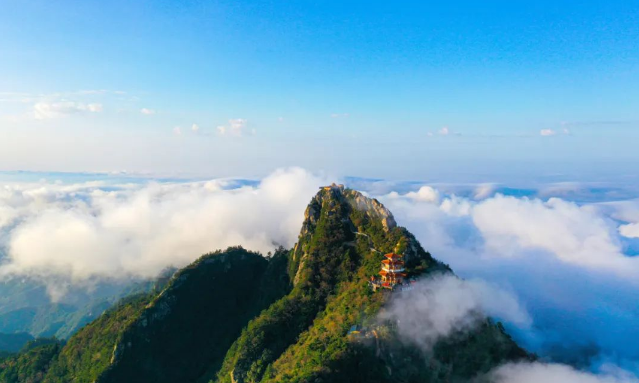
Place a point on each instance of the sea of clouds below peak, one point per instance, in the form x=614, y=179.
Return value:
x=564, y=249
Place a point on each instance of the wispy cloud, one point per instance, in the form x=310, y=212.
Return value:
x=46, y=110
x=556, y=373
x=93, y=91
x=45, y=106
x=235, y=127
x=598, y=123
x=552, y=132
x=18, y=97
x=443, y=131
x=147, y=111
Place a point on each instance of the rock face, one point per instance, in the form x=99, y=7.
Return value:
x=372, y=207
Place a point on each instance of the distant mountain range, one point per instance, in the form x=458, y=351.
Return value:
x=307, y=314
x=25, y=306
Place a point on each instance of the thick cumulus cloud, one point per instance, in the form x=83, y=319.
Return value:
x=573, y=234
x=516, y=227
x=443, y=305
x=83, y=231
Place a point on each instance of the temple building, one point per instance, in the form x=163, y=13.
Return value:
x=392, y=271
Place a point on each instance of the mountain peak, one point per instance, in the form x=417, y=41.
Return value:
x=349, y=213
x=337, y=193
x=372, y=207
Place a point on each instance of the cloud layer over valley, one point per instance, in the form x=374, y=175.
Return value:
x=560, y=259
x=81, y=231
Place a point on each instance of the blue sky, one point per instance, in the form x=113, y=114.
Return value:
x=375, y=89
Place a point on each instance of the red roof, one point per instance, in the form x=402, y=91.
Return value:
x=394, y=262
x=392, y=256
x=384, y=272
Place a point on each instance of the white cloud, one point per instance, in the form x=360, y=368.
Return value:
x=630, y=230
x=195, y=128
x=147, y=111
x=443, y=131
x=547, y=132
x=554, y=373
x=177, y=131
x=49, y=110
x=76, y=234
x=425, y=194
x=509, y=227
x=573, y=234
x=442, y=305
x=237, y=125
x=93, y=91
x=339, y=115
x=456, y=206
x=95, y=108
x=235, y=128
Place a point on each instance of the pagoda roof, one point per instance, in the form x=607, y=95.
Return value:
x=392, y=256
x=392, y=261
